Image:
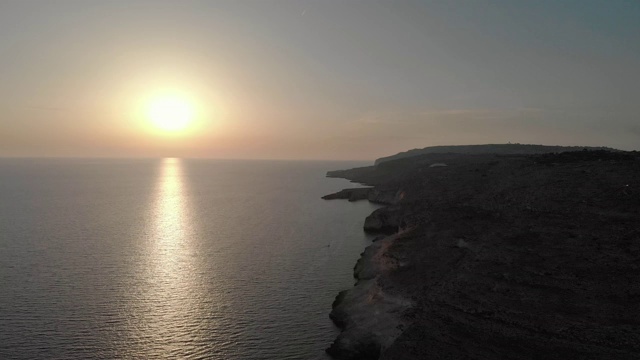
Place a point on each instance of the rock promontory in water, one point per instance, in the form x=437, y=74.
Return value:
x=496, y=256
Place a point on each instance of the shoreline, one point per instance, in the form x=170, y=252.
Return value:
x=362, y=335
x=493, y=256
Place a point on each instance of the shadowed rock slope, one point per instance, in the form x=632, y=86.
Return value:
x=498, y=257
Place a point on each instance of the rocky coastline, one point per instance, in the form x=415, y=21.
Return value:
x=496, y=256
x=370, y=318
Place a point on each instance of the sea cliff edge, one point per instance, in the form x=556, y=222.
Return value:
x=493, y=256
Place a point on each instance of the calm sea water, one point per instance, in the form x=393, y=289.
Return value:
x=172, y=258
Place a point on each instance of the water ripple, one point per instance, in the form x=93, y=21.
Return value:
x=171, y=259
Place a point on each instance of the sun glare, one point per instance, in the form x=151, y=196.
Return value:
x=170, y=113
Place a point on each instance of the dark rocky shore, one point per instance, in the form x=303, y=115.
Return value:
x=496, y=256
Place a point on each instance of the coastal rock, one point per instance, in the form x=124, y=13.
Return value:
x=498, y=256
x=385, y=220
x=354, y=194
x=384, y=197
x=371, y=319
x=368, y=267
x=373, y=195
x=362, y=175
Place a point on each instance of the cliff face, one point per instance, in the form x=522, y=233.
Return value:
x=369, y=316
x=494, y=257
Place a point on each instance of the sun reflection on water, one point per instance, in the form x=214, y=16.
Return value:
x=171, y=310
x=171, y=207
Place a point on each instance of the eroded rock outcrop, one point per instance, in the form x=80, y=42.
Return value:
x=384, y=220
x=354, y=194
x=374, y=195
x=371, y=319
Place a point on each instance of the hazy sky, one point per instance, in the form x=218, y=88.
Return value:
x=317, y=79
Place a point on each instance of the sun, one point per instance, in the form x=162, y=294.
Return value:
x=170, y=113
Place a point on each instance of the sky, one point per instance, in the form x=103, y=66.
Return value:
x=344, y=80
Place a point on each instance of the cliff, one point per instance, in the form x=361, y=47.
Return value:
x=498, y=256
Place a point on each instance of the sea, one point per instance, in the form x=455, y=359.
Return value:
x=173, y=258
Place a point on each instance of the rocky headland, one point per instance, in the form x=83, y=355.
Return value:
x=496, y=256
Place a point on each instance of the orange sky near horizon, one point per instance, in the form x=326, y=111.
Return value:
x=313, y=80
